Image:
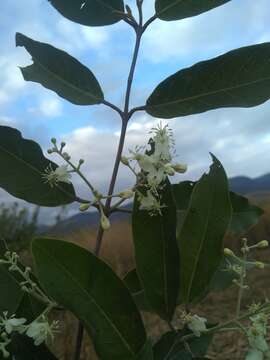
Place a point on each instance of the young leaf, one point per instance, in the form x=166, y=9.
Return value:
x=245, y=215
x=169, y=347
x=88, y=287
x=90, y=12
x=178, y=9
x=240, y=78
x=22, y=168
x=157, y=254
x=58, y=71
x=201, y=236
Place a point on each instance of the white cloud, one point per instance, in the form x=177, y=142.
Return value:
x=11, y=81
x=51, y=107
x=209, y=34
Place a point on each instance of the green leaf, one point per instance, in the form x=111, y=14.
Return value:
x=156, y=253
x=201, y=236
x=22, y=168
x=224, y=276
x=146, y=353
x=93, y=13
x=179, y=9
x=245, y=215
x=23, y=348
x=182, y=194
x=134, y=285
x=58, y=71
x=11, y=294
x=169, y=347
x=29, y=308
x=86, y=286
x=240, y=78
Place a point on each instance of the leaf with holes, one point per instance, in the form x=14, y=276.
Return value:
x=245, y=214
x=23, y=166
x=85, y=285
x=179, y=9
x=239, y=78
x=90, y=12
x=58, y=71
x=156, y=252
x=201, y=235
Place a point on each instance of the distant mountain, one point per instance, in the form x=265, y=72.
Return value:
x=240, y=184
x=246, y=185
x=83, y=221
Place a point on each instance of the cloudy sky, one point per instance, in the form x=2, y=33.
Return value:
x=240, y=138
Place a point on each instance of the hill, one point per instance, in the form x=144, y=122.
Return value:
x=257, y=189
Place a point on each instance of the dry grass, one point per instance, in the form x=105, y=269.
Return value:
x=117, y=250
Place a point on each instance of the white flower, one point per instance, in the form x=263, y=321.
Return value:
x=12, y=324
x=256, y=340
x=163, y=143
x=196, y=324
x=4, y=342
x=149, y=202
x=40, y=330
x=256, y=336
x=254, y=354
x=60, y=174
x=155, y=166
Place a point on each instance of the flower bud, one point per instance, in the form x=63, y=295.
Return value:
x=105, y=222
x=124, y=160
x=259, y=265
x=263, y=244
x=81, y=161
x=169, y=170
x=53, y=140
x=66, y=156
x=228, y=252
x=126, y=194
x=84, y=207
x=63, y=144
x=180, y=168
x=49, y=151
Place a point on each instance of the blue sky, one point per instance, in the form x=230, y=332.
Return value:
x=240, y=138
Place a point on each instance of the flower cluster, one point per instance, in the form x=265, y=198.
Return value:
x=193, y=322
x=40, y=330
x=155, y=165
x=259, y=349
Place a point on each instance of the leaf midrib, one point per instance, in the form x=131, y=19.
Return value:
x=63, y=81
x=195, y=97
x=196, y=261
x=91, y=298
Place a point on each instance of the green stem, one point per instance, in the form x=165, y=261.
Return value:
x=241, y=286
x=125, y=116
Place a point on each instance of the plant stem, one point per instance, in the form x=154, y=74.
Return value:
x=241, y=286
x=125, y=115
